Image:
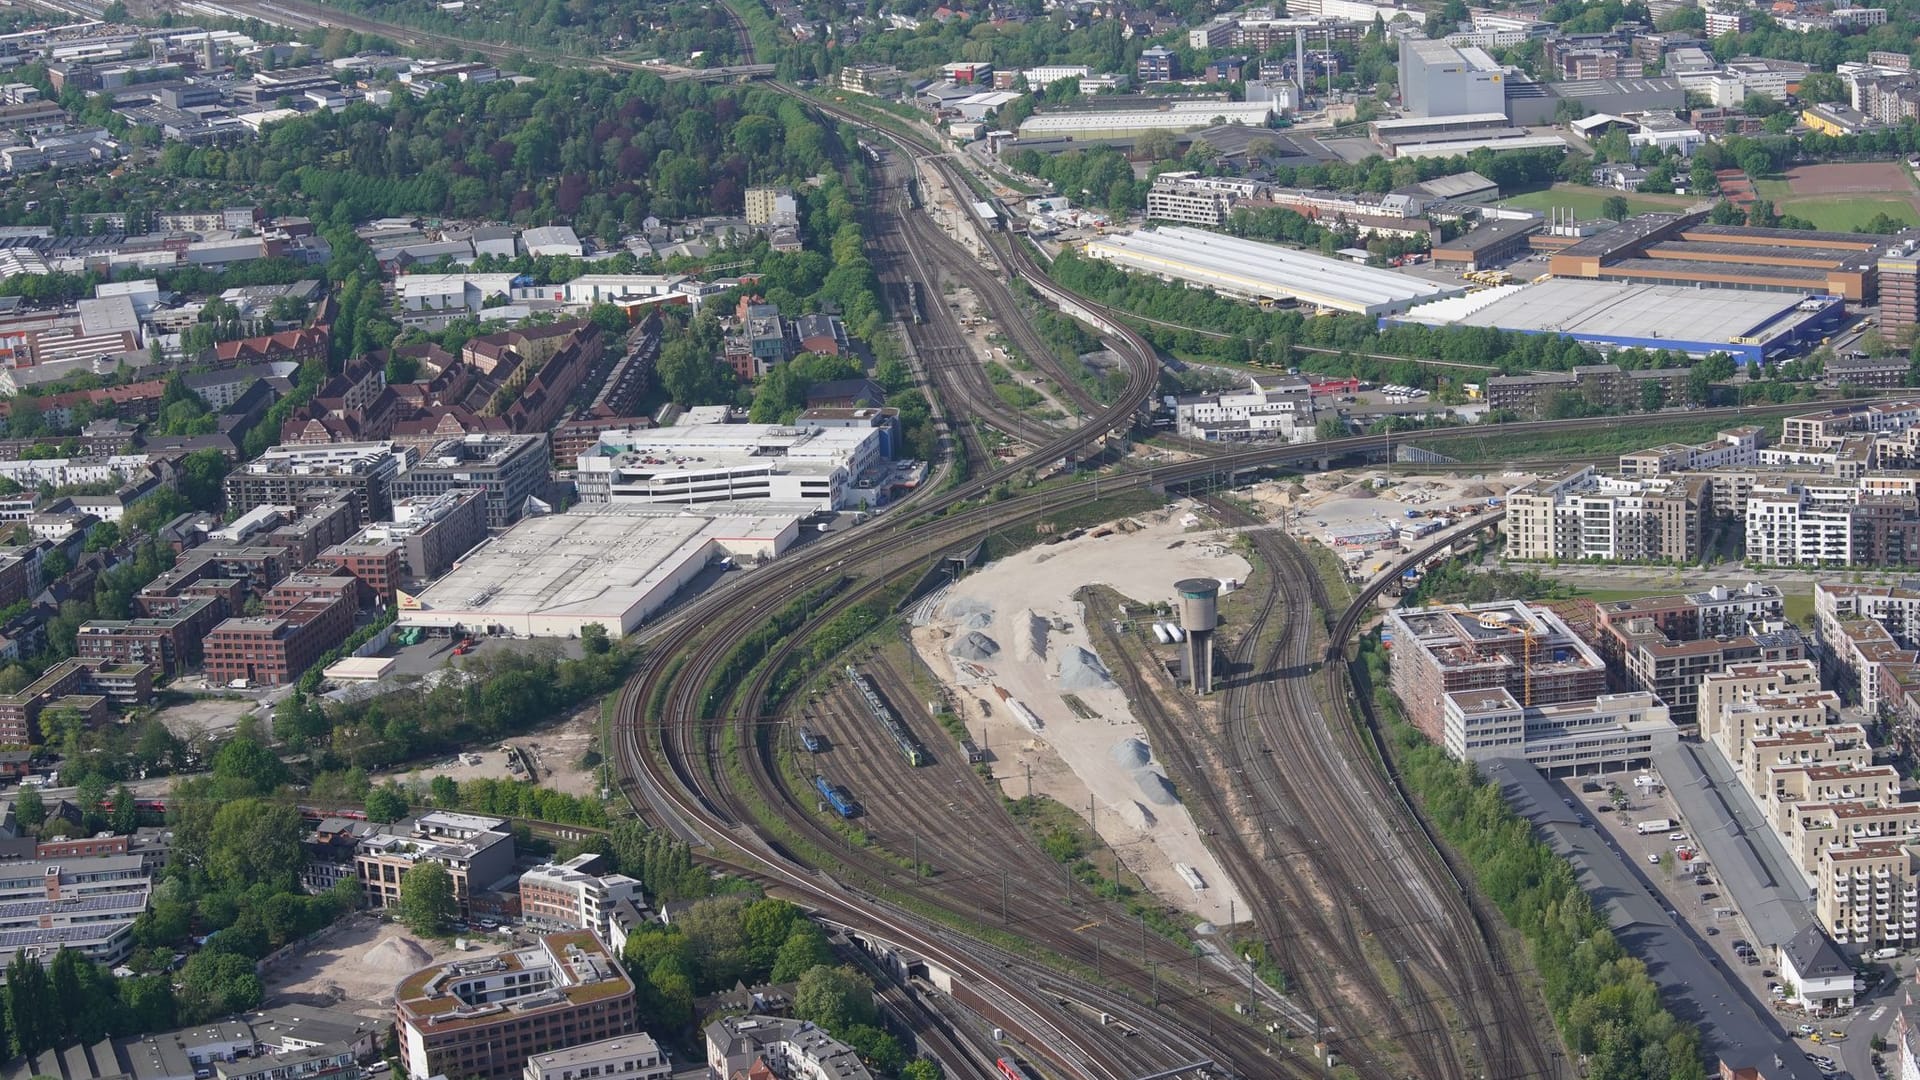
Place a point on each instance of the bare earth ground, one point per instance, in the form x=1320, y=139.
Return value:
x=1024, y=603
x=1325, y=505
x=556, y=750
x=355, y=965
x=205, y=716
x=1850, y=178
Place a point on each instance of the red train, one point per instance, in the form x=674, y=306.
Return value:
x=1013, y=1070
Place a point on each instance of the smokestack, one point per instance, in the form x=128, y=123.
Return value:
x=1300, y=63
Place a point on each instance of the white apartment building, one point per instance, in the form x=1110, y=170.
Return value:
x=629, y=1057
x=62, y=472
x=1607, y=733
x=1584, y=515
x=567, y=895
x=700, y=464
x=1734, y=448
x=1757, y=700
x=1801, y=522
x=1274, y=407
x=1195, y=199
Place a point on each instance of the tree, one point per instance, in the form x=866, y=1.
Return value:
x=253, y=841
x=594, y=640
x=805, y=949
x=426, y=898
x=386, y=803
x=217, y=983
x=1653, y=397
x=30, y=1009
x=445, y=791
x=835, y=998
x=1332, y=427
x=246, y=767
x=126, y=815
x=28, y=807
x=1725, y=212
x=1615, y=208
x=716, y=942
x=922, y=1069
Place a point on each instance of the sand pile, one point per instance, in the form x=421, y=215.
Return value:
x=974, y=646
x=1131, y=753
x=1081, y=670
x=1157, y=788
x=398, y=957
x=1030, y=637
x=1135, y=758
x=1137, y=816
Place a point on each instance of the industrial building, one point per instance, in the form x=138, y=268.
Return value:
x=484, y=1018
x=1673, y=248
x=1751, y=326
x=1175, y=116
x=549, y=576
x=831, y=468
x=1260, y=271
x=510, y=468
x=1438, y=79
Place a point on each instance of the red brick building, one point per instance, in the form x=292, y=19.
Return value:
x=279, y=648
x=375, y=566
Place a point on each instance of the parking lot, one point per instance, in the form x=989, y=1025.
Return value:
x=1690, y=887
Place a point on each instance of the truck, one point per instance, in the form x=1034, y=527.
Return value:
x=1657, y=825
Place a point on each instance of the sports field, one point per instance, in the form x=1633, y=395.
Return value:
x=1587, y=203
x=1843, y=197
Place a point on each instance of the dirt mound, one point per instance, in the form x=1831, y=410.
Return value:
x=1030, y=637
x=974, y=646
x=1137, y=816
x=1476, y=491
x=397, y=957
x=1081, y=670
x=1359, y=489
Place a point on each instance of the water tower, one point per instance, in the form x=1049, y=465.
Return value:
x=1199, y=614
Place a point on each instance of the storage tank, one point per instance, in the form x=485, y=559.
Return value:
x=1199, y=615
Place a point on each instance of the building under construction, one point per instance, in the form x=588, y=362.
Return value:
x=1525, y=650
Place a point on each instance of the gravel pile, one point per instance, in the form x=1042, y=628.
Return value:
x=970, y=613
x=1131, y=753
x=1081, y=670
x=974, y=646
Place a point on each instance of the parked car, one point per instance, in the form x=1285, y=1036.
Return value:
x=1706, y=896
x=1806, y=1029
x=1676, y=836
x=1653, y=857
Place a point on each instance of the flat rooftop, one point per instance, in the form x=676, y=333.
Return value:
x=591, y=564
x=1252, y=268
x=1579, y=307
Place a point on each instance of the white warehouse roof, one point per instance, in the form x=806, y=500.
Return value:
x=1254, y=269
x=1177, y=117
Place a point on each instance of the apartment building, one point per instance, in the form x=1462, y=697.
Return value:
x=485, y=1018
x=306, y=615
x=1734, y=448
x=629, y=1057
x=1815, y=521
x=283, y=473
x=789, y=1047
x=1870, y=893
x=83, y=685
x=571, y=895
x=1527, y=650
x=1606, y=386
x=1748, y=701
x=1194, y=199
x=1581, y=514
x=1864, y=628
x=476, y=850
x=170, y=645
x=509, y=469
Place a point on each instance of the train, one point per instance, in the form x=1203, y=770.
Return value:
x=1013, y=1070
x=910, y=747
x=810, y=740
x=912, y=193
x=915, y=310
x=839, y=798
x=874, y=153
